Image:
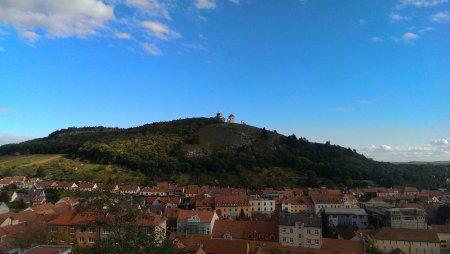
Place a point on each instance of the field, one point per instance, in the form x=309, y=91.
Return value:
x=62, y=168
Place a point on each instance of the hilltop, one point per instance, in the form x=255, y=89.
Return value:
x=209, y=151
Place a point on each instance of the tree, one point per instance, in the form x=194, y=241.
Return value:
x=131, y=228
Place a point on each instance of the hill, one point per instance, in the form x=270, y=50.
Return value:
x=209, y=151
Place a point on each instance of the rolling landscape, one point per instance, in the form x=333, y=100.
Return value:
x=207, y=151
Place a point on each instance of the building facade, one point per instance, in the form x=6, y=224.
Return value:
x=300, y=230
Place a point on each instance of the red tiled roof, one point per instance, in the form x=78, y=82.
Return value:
x=403, y=234
x=262, y=230
x=341, y=246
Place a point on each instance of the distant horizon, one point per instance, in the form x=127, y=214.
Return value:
x=19, y=139
x=371, y=75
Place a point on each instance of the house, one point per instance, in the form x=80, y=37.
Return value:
x=413, y=218
x=204, y=203
x=298, y=204
x=3, y=208
x=87, y=186
x=300, y=230
x=265, y=206
x=410, y=241
x=196, y=222
x=443, y=233
x=152, y=191
x=322, y=201
x=233, y=206
x=5, y=181
x=12, y=196
x=192, y=191
x=19, y=181
x=70, y=201
x=347, y=217
x=129, y=189
x=204, y=245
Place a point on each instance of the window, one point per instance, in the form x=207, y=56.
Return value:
x=316, y=232
x=91, y=230
x=308, y=241
x=283, y=230
x=91, y=240
x=308, y=231
x=317, y=242
x=291, y=230
x=299, y=235
x=106, y=231
x=291, y=240
x=81, y=239
x=54, y=229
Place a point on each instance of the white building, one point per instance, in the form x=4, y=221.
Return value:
x=411, y=241
x=266, y=206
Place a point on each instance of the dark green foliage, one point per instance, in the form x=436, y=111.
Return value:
x=4, y=196
x=52, y=195
x=207, y=151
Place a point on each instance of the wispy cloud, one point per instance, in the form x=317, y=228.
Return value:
x=2, y=49
x=237, y=2
x=5, y=110
x=151, y=7
x=419, y=3
x=30, y=35
x=123, y=36
x=377, y=39
x=441, y=17
x=205, y=4
x=160, y=30
x=426, y=29
x=395, y=17
x=151, y=49
x=341, y=109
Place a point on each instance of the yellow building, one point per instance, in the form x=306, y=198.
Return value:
x=233, y=206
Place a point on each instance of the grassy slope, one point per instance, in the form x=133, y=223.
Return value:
x=60, y=167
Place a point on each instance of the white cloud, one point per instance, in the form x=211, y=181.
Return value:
x=440, y=17
x=6, y=138
x=61, y=18
x=377, y=39
x=2, y=49
x=426, y=29
x=440, y=142
x=419, y=3
x=397, y=17
x=433, y=151
x=205, y=4
x=409, y=37
x=341, y=109
x=160, y=30
x=235, y=1
x=152, y=7
x=123, y=36
x=151, y=49
x=29, y=35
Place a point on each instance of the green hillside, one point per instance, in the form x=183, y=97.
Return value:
x=208, y=151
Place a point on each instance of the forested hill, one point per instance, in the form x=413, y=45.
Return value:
x=209, y=151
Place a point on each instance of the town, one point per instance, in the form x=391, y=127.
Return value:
x=221, y=220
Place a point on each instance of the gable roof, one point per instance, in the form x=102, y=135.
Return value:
x=204, y=216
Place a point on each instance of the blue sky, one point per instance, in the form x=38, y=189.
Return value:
x=371, y=75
